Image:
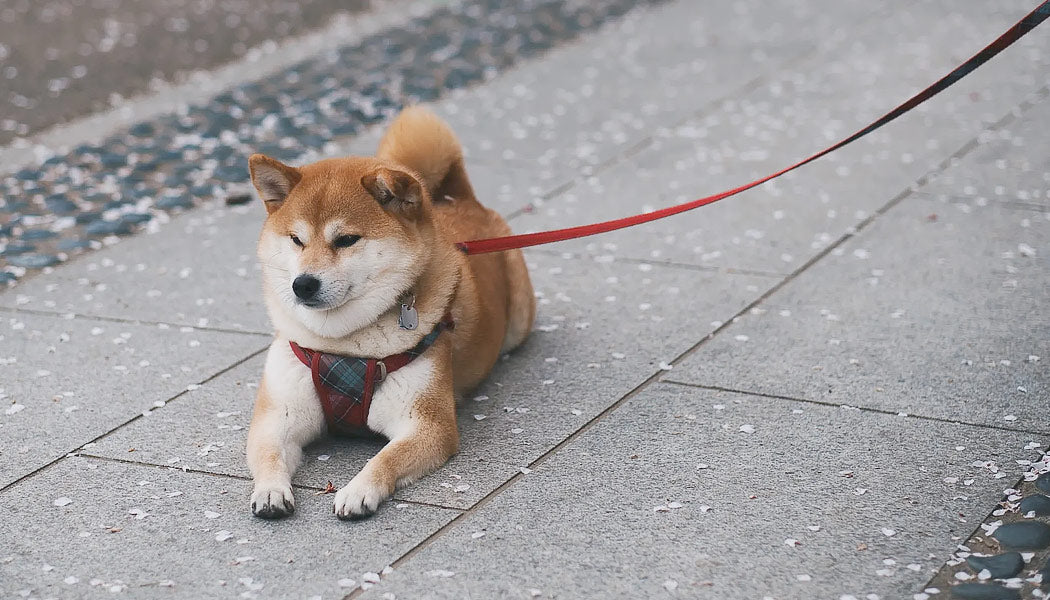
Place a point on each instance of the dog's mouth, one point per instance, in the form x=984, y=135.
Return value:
x=317, y=304
x=313, y=304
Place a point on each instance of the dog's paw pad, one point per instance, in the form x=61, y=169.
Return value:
x=358, y=499
x=273, y=502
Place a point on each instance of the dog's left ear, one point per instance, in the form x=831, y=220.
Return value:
x=273, y=179
x=395, y=191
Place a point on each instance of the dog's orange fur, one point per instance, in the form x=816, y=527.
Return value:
x=415, y=193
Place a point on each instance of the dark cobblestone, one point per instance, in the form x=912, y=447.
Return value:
x=33, y=260
x=73, y=245
x=1001, y=566
x=984, y=591
x=16, y=248
x=1011, y=528
x=1030, y=535
x=1037, y=504
x=38, y=234
x=1043, y=483
x=102, y=228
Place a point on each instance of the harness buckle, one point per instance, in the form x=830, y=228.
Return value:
x=382, y=370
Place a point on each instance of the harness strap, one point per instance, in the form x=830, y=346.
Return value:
x=375, y=372
x=359, y=413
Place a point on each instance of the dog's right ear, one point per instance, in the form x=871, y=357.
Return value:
x=394, y=190
x=273, y=179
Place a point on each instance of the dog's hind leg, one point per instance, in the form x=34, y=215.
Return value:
x=283, y=422
x=521, y=301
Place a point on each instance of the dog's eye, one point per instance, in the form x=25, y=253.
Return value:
x=345, y=241
x=297, y=241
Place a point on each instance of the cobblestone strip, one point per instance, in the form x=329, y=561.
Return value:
x=1008, y=556
x=93, y=194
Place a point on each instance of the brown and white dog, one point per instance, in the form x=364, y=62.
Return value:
x=345, y=242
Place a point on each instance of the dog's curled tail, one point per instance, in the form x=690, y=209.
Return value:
x=421, y=141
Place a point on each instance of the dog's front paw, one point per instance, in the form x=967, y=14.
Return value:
x=272, y=501
x=358, y=499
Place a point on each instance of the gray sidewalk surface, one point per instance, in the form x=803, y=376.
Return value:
x=832, y=386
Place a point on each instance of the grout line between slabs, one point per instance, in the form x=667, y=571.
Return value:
x=718, y=388
x=1026, y=206
x=234, y=476
x=138, y=416
x=299, y=486
x=966, y=148
x=83, y=317
x=668, y=264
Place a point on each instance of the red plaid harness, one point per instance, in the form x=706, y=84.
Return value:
x=345, y=384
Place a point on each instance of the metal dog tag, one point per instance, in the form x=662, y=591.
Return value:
x=408, y=319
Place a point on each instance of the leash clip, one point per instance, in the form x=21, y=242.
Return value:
x=381, y=366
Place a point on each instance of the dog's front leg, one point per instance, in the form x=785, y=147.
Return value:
x=287, y=416
x=417, y=411
x=399, y=463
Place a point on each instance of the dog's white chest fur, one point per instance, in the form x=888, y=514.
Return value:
x=391, y=411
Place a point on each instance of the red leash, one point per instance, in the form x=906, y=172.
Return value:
x=510, y=242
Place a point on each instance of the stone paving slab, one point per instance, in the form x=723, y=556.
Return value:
x=198, y=270
x=1012, y=165
x=936, y=309
x=778, y=226
x=668, y=497
x=535, y=397
x=141, y=532
x=590, y=101
x=67, y=381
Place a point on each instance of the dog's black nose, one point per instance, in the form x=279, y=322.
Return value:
x=306, y=286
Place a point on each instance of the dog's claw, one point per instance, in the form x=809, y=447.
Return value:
x=358, y=500
x=273, y=503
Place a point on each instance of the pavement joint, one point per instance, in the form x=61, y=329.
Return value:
x=102, y=318
x=670, y=264
x=1027, y=206
x=244, y=478
x=718, y=388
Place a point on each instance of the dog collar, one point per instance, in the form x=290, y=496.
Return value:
x=346, y=384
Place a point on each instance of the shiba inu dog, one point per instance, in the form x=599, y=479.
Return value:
x=360, y=269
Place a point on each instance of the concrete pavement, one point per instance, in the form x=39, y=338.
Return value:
x=833, y=386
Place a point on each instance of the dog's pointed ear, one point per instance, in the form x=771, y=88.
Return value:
x=273, y=179
x=395, y=191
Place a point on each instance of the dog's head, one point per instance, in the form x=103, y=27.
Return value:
x=344, y=239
